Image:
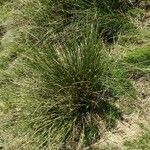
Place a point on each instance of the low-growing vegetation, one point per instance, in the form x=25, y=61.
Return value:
x=70, y=74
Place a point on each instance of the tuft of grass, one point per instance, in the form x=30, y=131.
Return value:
x=77, y=86
x=66, y=77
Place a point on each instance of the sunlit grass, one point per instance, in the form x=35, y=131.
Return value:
x=57, y=74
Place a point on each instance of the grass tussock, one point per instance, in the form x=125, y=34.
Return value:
x=79, y=85
x=56, y=72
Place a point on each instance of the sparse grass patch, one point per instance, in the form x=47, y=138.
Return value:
x=142, y=143
x=139, y=57
x=138, y=61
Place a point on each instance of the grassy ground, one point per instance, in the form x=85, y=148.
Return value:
x=141, y=143
x=47, y=73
